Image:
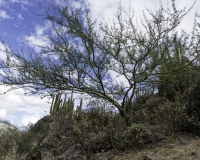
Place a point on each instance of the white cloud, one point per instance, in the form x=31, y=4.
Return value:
x=2, y=52
x=11, y=100
x=23, y=3
x=38, y=38
x=32, y=105
x=2, y=2
x=7, y=2
x=20, y=1
x=187, y=22
x=27, y=119
x=106, y=10
x=16, y=25
x=3, y=114
x=14, y=1
x=20, y=17
x=24, y=8
x=18, y=105
x=4, y=15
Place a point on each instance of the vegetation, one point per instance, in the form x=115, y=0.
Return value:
x=155, y=56
x=64, y=107
x=97, y=130
x=109, y=62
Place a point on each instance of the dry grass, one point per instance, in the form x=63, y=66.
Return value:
x=180, y=147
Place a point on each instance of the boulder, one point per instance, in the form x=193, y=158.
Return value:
x=75, y=152
x=58, y=143
x=151, y=156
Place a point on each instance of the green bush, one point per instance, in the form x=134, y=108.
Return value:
x=174, y=116
x=135, y=135
x=98, y=130
x=171, y=114
x=147, y=114
x=8, y=142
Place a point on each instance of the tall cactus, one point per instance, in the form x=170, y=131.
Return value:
x=79, y=108
x=64, y=107
x=56, y=102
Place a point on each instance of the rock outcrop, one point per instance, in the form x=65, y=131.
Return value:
x=5, y=125
x=60, y=146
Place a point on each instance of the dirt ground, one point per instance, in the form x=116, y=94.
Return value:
x=182, y=146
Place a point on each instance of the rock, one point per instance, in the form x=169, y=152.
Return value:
x=193, y=153
x=75, y=152
x=47, y=155
x=110, y=157
x=151, y=156
x=151, y=153
x=148, y=157
x=41, y=125
x=58, y=143
x=50, y=142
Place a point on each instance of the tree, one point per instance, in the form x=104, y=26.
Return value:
x=109, y=62
x=179, y=81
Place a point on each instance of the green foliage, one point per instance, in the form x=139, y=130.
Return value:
x=99, y=130
x=86, y=66
x=140, y=102
x=171, y=115
x=29, y=143
x=158, y=54
x=151, y=108
x=178, y=71
x=190, y=99
x=9, y=140
x=22, y=145
x=193, y=100
x=136, y=135
x=56, y=104
x=64, y=107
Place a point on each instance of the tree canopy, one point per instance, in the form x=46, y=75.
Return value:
x=106, y=60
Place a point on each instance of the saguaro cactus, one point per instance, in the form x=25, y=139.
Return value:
x=55, y=105
x=64, y=107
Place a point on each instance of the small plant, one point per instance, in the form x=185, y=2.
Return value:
x=135, y=135
x=8, y=143
x=29, y=143
x=171, y=114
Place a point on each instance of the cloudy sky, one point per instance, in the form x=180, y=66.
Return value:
x=20, y=25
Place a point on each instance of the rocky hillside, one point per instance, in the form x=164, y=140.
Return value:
x=5, y=125
x=160, y=129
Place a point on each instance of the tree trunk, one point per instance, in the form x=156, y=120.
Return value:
x=126, y=117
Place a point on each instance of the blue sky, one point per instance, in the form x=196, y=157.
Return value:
x=20, y=25
x=18, y=18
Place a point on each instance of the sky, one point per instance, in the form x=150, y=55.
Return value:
x=21, y=25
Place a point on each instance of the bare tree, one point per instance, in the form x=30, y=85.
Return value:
x=108, y=61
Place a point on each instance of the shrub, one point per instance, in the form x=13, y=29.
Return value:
x=138, y=106
x=160, y=110
x=91, y=129
x=193, y=106
x=150, y=107
x=140, y=102
x=8, y=142
x=171, y=114
x=135, y=135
